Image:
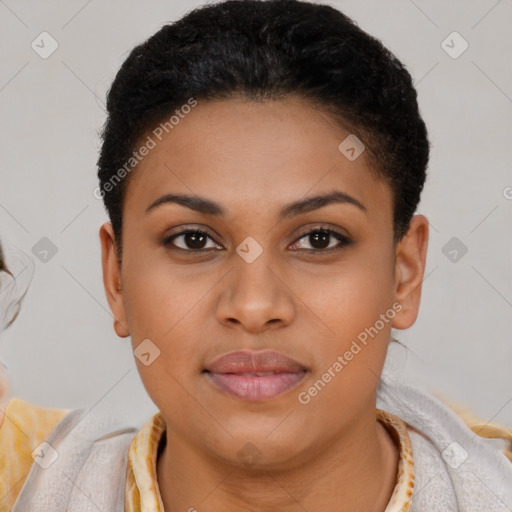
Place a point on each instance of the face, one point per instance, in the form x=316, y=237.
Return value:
x=322, y=284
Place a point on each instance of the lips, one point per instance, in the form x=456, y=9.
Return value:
x=255, y=376
x=247, y=361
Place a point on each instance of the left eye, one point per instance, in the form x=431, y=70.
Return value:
x=319, y=240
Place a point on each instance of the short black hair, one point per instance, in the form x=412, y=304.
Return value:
x=269, y=50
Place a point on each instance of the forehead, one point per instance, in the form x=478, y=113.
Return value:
x=250, y=154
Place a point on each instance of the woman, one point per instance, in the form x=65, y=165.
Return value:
x=261, y=166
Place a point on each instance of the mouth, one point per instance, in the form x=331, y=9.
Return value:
x=258, y=386
x=255, y=376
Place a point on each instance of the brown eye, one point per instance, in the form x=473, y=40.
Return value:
x=319, y=239
x=191, y=240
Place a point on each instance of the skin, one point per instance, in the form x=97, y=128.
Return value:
x=254, y=158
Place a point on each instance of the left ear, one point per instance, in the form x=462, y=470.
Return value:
x=411, y=256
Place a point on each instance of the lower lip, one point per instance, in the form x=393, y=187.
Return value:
x=255, y=388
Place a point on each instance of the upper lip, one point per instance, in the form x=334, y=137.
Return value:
x=249, y=361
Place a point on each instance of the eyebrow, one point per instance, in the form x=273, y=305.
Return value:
x=209, y=207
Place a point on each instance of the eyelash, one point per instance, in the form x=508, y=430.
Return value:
x=345, y=241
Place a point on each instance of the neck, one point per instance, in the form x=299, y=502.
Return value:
x=356, y=472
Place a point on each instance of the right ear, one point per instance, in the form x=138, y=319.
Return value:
x=112, y=279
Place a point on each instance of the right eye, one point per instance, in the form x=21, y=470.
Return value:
x=193, y=240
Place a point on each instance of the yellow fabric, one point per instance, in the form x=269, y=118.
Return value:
x=25, y=426
x=141, y=490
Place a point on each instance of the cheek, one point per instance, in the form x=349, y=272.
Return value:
x=350, y=358
x=349, y=298
x=354, y=314
x=164, y=306
x=157, y=316
x=157, y=298
x=163, y=315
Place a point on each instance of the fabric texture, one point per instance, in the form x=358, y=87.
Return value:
x=24, y=428
x=455, y=469
x=83, y=466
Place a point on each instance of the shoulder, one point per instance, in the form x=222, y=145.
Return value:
x=24, y=428
x=456, y=468
x=483, y=428
x=463, y=474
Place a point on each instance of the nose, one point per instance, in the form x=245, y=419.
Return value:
x=256, y=297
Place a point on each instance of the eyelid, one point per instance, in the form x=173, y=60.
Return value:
x=323, y=227
x=195, y=228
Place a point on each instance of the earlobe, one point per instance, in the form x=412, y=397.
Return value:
x=112, y=279
x=411, y=255
x=121, y=329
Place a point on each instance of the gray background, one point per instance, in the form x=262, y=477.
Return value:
x=62, y=350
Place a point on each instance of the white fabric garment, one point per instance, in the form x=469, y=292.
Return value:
x=89, y=473
x=455, y=470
